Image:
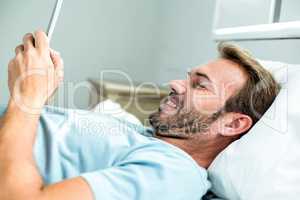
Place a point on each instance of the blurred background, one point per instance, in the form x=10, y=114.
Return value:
x=149, y=40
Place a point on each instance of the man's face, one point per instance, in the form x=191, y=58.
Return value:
x=195, y=103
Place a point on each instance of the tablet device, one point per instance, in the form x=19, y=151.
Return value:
x=54, y=17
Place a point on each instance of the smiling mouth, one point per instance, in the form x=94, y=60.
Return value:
x=172, y=103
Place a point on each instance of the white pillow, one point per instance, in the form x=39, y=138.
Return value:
x=113, y=108
x=265, y=163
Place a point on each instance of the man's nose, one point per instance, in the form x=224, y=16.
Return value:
x=179, y=86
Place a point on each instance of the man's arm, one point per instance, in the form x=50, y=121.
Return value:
x=34, y=74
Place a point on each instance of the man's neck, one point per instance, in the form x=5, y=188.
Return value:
x=202, y=149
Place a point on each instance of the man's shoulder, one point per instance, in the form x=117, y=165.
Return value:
x=164, y=165
x=152, y=170
x=160, y=154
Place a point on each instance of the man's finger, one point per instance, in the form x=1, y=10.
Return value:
x=58, y=63
x=28, y=41
x=41, y=40
x=19, y=49
x=56, y=59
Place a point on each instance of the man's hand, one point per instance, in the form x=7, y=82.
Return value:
x=35, y=72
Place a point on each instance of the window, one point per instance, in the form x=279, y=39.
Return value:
x=256, y=19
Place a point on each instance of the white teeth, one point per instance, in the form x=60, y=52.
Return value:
x=170, y=103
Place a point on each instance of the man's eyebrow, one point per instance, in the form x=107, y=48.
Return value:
x=202, y=75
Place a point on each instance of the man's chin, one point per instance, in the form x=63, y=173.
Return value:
x=163, y=115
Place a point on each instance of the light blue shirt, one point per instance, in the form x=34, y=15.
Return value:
x=118, y=159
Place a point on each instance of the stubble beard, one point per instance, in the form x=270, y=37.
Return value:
x=182, y=123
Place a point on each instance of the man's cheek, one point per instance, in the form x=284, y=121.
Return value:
x=205, y=104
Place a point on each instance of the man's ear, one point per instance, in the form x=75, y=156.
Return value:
x=233, y=124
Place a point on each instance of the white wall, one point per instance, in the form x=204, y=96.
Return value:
x=150, y=40
x=290, y=10
x=91, y=35
x=242, y=12
x=185, y=39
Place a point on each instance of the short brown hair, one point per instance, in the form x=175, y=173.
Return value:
x=259, y=91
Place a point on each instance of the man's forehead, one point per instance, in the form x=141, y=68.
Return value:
x=222, y=69
x=223, y=72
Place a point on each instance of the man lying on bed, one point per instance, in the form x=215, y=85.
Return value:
x=60, y=154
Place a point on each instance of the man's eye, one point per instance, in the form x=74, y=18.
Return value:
x=199, y=86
